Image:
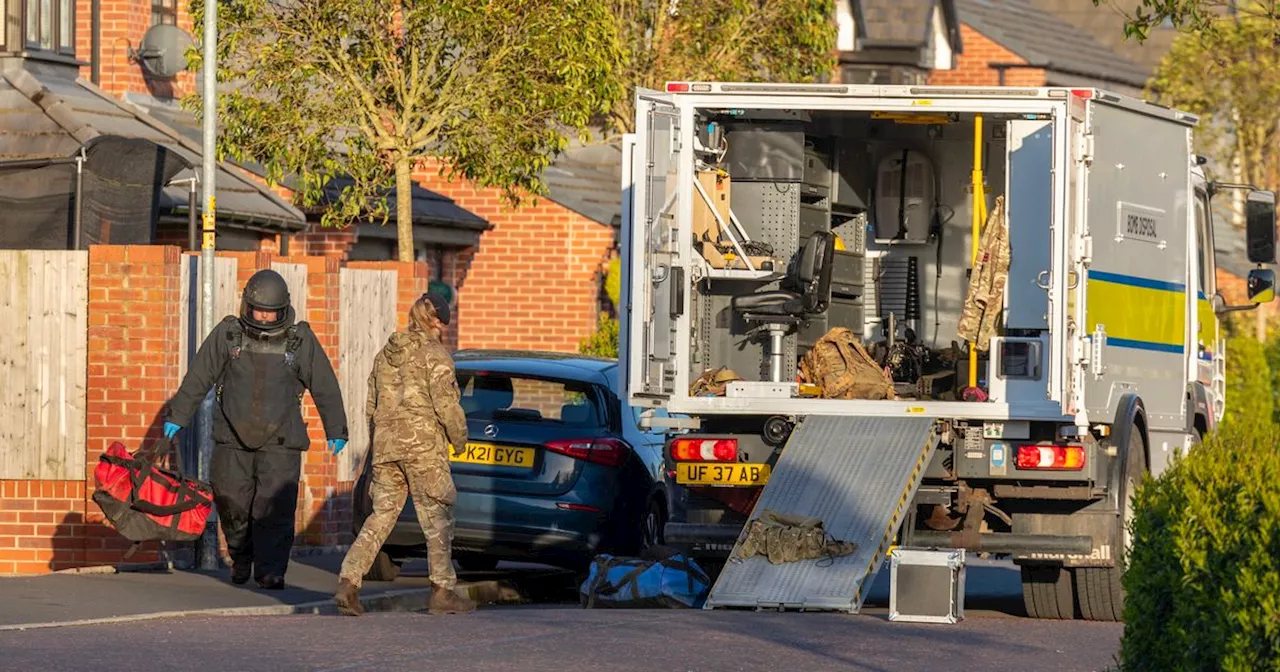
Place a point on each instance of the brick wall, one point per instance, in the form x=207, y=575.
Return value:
x=973, y=66
x=533, y=282
x=133, y=342
x=41, y=526
x=334, y=243
x=132, y=369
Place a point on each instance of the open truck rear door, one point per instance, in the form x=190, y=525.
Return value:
x=652, y=301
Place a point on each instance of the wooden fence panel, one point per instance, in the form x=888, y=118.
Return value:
x=44, y=310
x=367, y=317
x=295, y=275
x=226, y=301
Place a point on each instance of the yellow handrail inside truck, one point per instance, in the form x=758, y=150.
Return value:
x=979, y=214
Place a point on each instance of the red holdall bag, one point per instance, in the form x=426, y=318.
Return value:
x=145, y=502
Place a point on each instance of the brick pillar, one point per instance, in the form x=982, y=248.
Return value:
x=324, y=505
x=134, y=313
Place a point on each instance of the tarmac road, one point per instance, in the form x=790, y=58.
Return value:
x=560, y=635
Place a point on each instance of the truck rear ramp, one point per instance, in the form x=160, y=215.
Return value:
x=856, y=474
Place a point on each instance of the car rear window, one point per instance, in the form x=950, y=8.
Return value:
x=503, y=397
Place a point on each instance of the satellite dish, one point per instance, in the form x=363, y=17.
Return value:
x=163, y=51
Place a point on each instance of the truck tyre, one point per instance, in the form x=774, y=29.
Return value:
x=1099, y=589
x=1047, y=592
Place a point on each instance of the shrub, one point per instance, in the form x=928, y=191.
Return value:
x=604, y=342
x=1203, y=580
x=1273, y=363
x=1249, y=393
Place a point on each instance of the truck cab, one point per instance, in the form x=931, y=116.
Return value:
x=1030, y=268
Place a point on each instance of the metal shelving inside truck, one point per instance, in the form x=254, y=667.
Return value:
x=1025, y=275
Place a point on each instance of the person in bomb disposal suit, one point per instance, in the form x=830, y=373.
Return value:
x=260, y=363
x=414, y=414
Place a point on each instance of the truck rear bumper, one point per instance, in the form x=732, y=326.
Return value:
x=1003, y=542
x=718, y=540
x=703, y=539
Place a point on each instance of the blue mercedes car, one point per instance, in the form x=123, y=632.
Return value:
x=556, y=468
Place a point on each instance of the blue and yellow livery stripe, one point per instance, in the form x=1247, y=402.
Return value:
x=1138, y=313
x=1208, y=325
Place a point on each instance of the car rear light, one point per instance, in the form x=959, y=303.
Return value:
x=677, y=87
x=704, y=450
x=1057, y=457
x=609, y=452
x=570, y=506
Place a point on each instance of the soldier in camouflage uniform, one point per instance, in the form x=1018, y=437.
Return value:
x=414, y=413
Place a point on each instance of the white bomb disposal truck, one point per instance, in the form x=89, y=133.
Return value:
x=759, y=217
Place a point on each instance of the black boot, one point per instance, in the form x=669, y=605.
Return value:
x=271, y=582
x=240, y=572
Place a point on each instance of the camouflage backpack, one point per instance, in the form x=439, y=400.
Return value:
x=842, y=368
x=713, y=382
x=783, y=538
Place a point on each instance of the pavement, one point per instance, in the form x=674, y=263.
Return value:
x=63, y=599
x=90, y=598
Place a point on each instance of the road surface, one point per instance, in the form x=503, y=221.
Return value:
x=559, y=635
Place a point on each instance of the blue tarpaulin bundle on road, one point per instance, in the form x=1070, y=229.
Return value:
x=674, y=581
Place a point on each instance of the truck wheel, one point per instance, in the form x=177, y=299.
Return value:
x=383, y=569
x=1099, y=589
x=1047, y=592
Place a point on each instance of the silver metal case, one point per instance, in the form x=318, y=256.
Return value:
x=926, y=585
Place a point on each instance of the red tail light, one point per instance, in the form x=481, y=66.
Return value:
x=1082, y=93
x=1060, y=458
x=704, y=450
x=609, y=452
x=677, y=87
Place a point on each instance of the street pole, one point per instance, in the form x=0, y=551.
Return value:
x=209, y=542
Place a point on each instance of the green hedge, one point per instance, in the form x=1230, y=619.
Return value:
x=1203, y=581
x=1249, y=386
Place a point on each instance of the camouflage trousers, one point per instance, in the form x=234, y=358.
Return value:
x=391, y=484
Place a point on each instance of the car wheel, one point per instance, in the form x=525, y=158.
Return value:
x=384, y=568
x=651, y=526
x=476, y=563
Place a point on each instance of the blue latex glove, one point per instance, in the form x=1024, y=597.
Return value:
x=170, y=430
x=336, y=446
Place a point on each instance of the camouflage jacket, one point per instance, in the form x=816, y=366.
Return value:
x=413, y=401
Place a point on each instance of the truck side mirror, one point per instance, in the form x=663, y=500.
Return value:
x=1260, y=227
x=1262, y=285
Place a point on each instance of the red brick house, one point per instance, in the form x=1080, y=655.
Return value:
x=75, y=95
x=524, y=278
